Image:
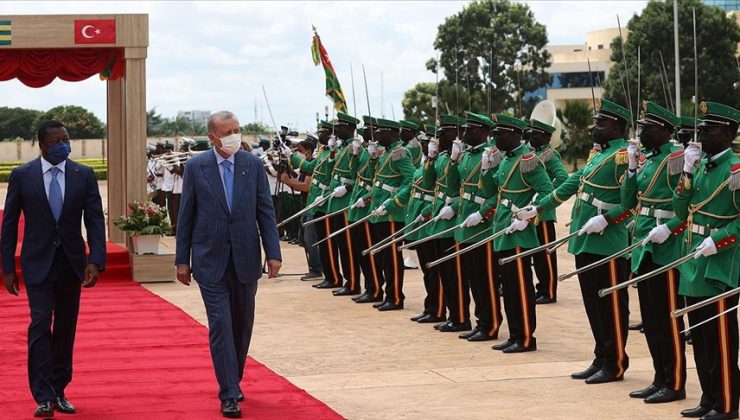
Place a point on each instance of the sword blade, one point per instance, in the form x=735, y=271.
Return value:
x=430, y=237
x=600, y=262
x=390, y=240
x=350, y=226
x=326, y=216
x=683, y=311
x=466, y=249
x=710, y=319
x=529, y=252
x=628, y=283
x=300, y=213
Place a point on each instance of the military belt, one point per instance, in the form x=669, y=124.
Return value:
x=425, y=197
x=508, y=203
x=702, y=230
x=321, y=186
x=386, y=187
x=656, y=213
x=451, y=200
x=343, y=180
x=601, y=206
x=473, y=198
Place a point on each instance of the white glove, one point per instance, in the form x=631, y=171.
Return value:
x=340, y=142
x=413, y=143
x=380, y=211
x=485, y=161
x=286, y=151
x=706, y=248
x=691, y=157
x=657, y=235
x=319, y=198
x=372, y=148
x=420, y=218
x=596, y=224
x=527, y=213
x=516, y=225
x=332, y=142
x=446, y=213
x=633, y=156
x=339, y=191
x=432, y=149
x=315, y=153
x=356, y=146
x=456, y=150
x=473, y=219
x=359, y=204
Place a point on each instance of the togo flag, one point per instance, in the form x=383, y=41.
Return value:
x=5, y=36
x=333, y=89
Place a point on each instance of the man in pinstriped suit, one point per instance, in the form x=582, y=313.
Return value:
x=226, y=209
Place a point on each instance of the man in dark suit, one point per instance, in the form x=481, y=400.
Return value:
x=226, y=208
x=55, y=194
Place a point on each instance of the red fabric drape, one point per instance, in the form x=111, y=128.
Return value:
x=37, y=68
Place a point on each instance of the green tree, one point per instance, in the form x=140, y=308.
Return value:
x=80, y=123
x=577, y=141
x=154, y=123
x=492, y=48
x=17, y=123
x=417, y=102
x=255, y=128
x=716, y=38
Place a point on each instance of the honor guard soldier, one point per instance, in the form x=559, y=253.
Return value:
x=480, y=270
x=409, y=131
x=369, y=264
x=421, y=194
x=648, y=188
x=519, y=178
x=394, y=171
x=456, y=292
x=708, y=199
x=321, y=169
x=546, y=264
x=342, y=183
x=594, y=216
x=685, y=133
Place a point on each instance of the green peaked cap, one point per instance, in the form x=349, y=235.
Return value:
x=540, y=126
x=689, y=122
x=608, y=110
x=478, y=119
x=447, y=120
x=388, y=123
x=326, y=124
x=429, y=129
x=653, y=113
x=507, y=121
x=361, y=132
x=368, y=120
x=341, y=116
x=716, y=113
x=410, y=125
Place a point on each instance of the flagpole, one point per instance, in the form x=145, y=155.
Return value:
x=677, y=69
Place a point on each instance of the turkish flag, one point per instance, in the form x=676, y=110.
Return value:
x=95, y=31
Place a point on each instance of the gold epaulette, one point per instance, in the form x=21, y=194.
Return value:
x=734, y=183
x=620, y=157
x=495, y=158
x=546, y=155
x=528, y=163
x=675, y=162
x=398, y=153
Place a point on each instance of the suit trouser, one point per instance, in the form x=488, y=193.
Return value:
x=545, y=264
x=658, y=298
x=607, y=316
x=328, y=251
x=173, y=207
x=715, y=354
x=349, y=263
x=308, y=237
x=481, y=270
x=434, y=303
x=454, y=285
x=362, y=236
x=50, y=347
x=519, y=300
x=391, y=261
x=230, y=310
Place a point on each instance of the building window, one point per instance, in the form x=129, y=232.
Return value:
x=600, y=47
x=575, y=79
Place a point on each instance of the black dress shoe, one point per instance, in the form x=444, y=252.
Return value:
x=695, y=412
x=62, y=405
x=230, y=409
x=369, y=298
x=361, y=296
x=635, y=327
x=603, y=376
x=428, y=319
x=380, y=303
x=717, y=415
x=442, y=324
x=481, y=336
x=585, y=374
x=543, y=300
x=645, y=392
x=312, y=276
x=345, y=291
x=518, y=347
x=466, y=335
x=665, y=395
x=418, y=317
x=44, y=410
x=327, y=285
x=390, y=306
x=505, y=344
x=240, y=397
x=455, y=327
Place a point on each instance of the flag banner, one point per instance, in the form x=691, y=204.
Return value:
x=333, y=89
x=5, y=34
x=95, y=31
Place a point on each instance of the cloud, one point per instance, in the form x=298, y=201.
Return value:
x=218, y=55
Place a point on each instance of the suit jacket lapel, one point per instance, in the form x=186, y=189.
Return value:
x=71, y=181
x=37, y=179
x=241, y=178
x=213, y=175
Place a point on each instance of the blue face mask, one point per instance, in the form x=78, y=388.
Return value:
x=59, y=152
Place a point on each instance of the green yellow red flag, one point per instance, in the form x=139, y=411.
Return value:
x=333, y=88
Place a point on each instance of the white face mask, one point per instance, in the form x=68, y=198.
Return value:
x=230, y=144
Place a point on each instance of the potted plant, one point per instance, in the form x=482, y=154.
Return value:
x=145, y=223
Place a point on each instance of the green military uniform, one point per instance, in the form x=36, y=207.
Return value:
x=597, y=190
x=394, y=170
x=649, y=191
x=413, y=146
x=709, y=201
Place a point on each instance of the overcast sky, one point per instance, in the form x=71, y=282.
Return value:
x=218, y=55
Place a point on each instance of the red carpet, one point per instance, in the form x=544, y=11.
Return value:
x=140, y=357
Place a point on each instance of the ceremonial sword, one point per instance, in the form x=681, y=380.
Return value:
x=554, y=244
x=315, y=204
x=326, y=216
x=388, y=241
x=430, y=237
x=600, y=262
x=628, y=283
x=383, y=244
x=466, y=249
x=350, y=226
x=683, y=311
